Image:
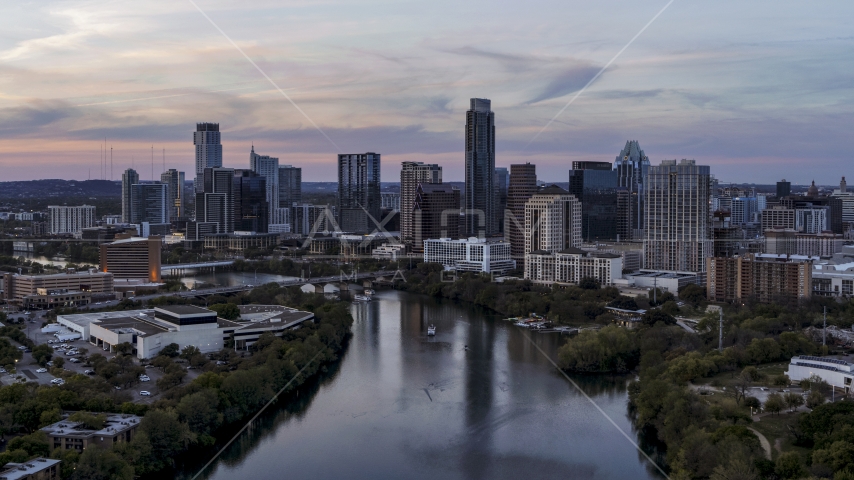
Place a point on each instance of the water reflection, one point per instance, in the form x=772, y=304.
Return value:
x=404, y=405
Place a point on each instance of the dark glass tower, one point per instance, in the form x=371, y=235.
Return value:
x=784, y=189
x=480, y=214
x=594, y=184
x=251, y=208
x=632, y=166
x=359, y=201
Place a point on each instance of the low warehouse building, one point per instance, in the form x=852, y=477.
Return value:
x=837, y=373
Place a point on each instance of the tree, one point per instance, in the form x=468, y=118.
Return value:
x=781, y=381
x=94, y=422
x=228, y=311
x=58, y=362
x=589, y=283
x=189, y=351
x=623, y=302
x=42, y=354
x=693, y=294
x=789, y=465
x=652, y=317
x=774, y=403
x=814, y=399
x=172, y=350
x=162, y=362
x=793, y=400
x=166, y=434
x=124, y=348
x=98, y=463
x=199, y=411
x=658, y=296
x=752, y=402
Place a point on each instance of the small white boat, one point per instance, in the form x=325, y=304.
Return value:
x=368, y=291
x=431, y=330
x=362, y=298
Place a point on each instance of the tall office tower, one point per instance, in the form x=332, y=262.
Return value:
x=215, y=203
x=150, y=203
x=632, y=166
x=290, y=186
x=552, y=221
x=480, y=170
x=501, y=184
x=174, y=180
x=784, y=189
x=208, y=151
x=309, y=219
x=129, y=178
x=678, y=221
x=250, y=202
x=522, y=185
x=625, y=208
x=268, y=167
x=435, y=214
x=359, y=192
x=413, y=174
x=65, y=219
x=594, y=184
x=743, y=210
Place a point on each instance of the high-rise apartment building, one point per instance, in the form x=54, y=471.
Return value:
x=290, y=186
x=174, y=181
x=632, y=166
x=311, y=219
x=778, y=217
x=129, y=178
x=779, y=279
x=268, y=168
x=150, y=203
x=359, y=192
x=522, y=185
x=594, y=184
x=215, y=203
x=435, y=214
x=65, y=219
x=250, y=202
x=208, y=150
x=479, y=201
x=552, y=221
x=744, y=210
x=413, y=174
x=678, y=226
x=784, y=189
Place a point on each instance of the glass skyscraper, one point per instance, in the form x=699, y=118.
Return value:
x=480, y=211
x=632, y=167
x=594, y=184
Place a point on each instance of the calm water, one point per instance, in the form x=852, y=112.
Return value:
x=402, y=405
x=231, y=279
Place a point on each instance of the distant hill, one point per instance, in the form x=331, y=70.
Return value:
x=54, y=188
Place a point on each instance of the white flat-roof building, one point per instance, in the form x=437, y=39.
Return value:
x=837, y=373
x=569, y=266
x=35, y=469
x=470, y=255
x=665, y=280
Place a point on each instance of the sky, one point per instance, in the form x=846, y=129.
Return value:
x=759, y=90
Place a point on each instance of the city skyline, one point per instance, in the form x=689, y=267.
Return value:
x=748, y=87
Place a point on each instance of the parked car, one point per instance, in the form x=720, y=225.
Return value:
x=22, y=347
x=88, y=372
x=2, y=370
x=57, y=381
x=41, y=370
x=74, y=360
x=145, y=393
x=49, y=364
x=117, y=387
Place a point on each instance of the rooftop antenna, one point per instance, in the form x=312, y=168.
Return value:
x=721, y=331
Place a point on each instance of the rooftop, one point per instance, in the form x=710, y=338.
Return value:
x=114, y=424
x=140, y=325
x=20, y=471
x=184, y=309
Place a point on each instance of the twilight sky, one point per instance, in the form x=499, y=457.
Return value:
x=759, y=90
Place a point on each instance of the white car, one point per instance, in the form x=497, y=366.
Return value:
x=145, y=393
x=22, y=347
x=2, y=370
x=49, y=364
x=144, y=378
x=41, y=370
x=118, y=387
x=57, y=381
x=74, y=360
x=50, y=341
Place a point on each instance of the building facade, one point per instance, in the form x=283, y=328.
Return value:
x=250, y=194
x=413, y=174
x=552, y=221
x=174, y=181
x=594, y=184
x=522, y=186
x=632, y=166
x=359, y=201
x=18, y=288
x=435, y=214
x=132, y=258
x=208, y=147
x=480, y=195
x=129, y=178
x=150, y=203
x=678, y=220
x=469, y=255
x=215, y=202
x=781, y=279
x=571, y=265
x=290, y=186
x=73, y=220
x=268, y=167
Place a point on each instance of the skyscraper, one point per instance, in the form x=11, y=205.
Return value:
x=413, y=174
x=215, y=203
x=480, y=169
x=678, y=226
x=150, y=203
x=552, y=221
x=268, y=167
x=523, y=184
x=594, y=184
x=359, y=192
x=174, y=181
x=784, y=189
x=250, y=202
x=129, y=178
x=208, y=150
x=290, y=186
x=435, y=214
x=501, y=183
x=632, y=166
